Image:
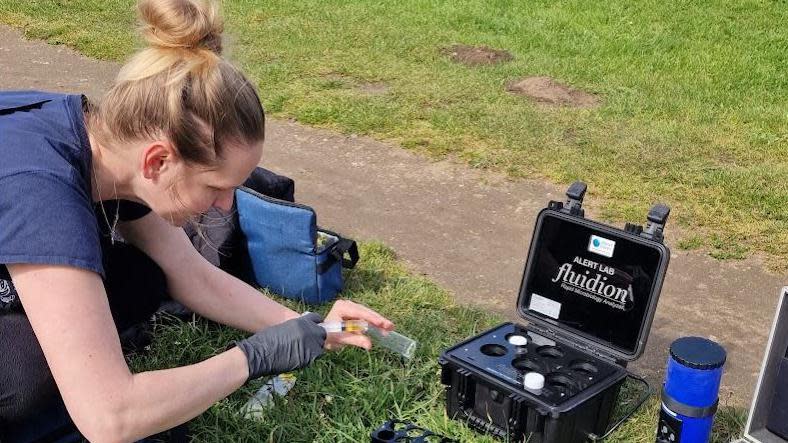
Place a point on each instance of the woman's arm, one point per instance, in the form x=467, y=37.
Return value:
x=199, y=285
x=215, y=294
x=70, y=315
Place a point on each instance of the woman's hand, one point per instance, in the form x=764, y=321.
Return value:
x=284, y=347
x=347, y=310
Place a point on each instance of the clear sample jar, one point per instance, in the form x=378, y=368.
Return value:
x=393, y=341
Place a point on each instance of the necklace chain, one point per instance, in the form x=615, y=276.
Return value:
x=103, y=210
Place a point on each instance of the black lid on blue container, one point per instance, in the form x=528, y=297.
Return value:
x=698, y=353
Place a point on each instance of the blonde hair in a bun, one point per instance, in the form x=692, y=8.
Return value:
x=186, y=24
x=179, y=86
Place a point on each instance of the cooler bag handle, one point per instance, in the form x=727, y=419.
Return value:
x=346, y=246
x=337, y=254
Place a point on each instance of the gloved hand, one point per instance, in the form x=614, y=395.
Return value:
x=284, y=347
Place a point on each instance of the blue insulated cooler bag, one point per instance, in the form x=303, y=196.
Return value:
x=219, y=239
x=288, y=253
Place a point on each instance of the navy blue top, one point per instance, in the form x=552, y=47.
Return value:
x=47, y=215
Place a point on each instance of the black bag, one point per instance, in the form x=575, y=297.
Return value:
x=218, y=237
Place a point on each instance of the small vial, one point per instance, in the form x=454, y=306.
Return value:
x=354, y=326
x=393, y=341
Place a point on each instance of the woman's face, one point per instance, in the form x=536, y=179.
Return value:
x=193, y=190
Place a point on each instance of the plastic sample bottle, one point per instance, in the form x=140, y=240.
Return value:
x=277, y=386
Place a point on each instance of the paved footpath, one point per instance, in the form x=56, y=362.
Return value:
x=468, y=230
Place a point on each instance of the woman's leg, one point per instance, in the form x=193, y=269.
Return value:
x=135, y=287
x=26, y=385
x=135, y=284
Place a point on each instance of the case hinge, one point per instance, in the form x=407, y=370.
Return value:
x=593, y=351
x=545, y=332
x=633, y=228
x=549, y=333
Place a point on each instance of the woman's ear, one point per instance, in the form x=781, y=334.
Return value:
x=157, y=158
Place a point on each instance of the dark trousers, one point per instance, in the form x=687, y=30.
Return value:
x=135, y=288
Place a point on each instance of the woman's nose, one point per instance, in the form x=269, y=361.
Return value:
x=224, y=200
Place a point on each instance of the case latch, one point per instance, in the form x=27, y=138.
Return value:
x=466, y=388
x=574, y=200
x=655, y=226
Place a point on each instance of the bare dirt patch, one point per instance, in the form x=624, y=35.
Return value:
x=476, y=55
x=548, y=92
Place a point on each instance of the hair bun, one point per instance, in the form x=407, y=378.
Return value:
x=182, y=24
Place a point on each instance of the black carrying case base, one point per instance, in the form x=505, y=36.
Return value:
x=589, y=292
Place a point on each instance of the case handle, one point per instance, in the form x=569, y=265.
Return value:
x=481, y=424
x=649, y=392
x=577, y=191
x=656, y=219
x=574, y=199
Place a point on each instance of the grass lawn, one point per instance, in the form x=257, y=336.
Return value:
x=693, y=114
x=694, y=108
x=346, y=395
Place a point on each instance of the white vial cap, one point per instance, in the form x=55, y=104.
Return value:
x=518, y=340
x=533, y=381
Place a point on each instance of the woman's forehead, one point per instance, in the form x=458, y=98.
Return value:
x=236, y=165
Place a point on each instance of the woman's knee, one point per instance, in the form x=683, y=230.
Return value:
x=26, y=384
x=135, y=284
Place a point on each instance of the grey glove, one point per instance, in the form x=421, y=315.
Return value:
x=284, y=347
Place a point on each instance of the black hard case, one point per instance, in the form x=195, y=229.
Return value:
x=490, y=396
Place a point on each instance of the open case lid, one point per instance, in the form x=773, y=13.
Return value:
x=756, y=429
x=596, y=285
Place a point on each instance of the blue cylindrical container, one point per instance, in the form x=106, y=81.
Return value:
x=690, y=394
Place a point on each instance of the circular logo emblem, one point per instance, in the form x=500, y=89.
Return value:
x=596, y=242
x=6, y=295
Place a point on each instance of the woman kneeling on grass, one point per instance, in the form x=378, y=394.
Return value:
x=179, y=130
